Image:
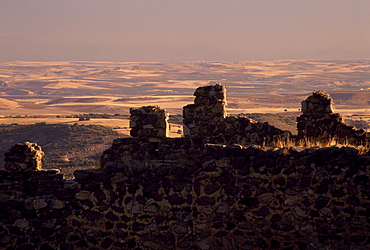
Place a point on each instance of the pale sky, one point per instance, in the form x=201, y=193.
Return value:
x=183, y=30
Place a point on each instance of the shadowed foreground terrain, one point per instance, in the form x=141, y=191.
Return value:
x=67, y=147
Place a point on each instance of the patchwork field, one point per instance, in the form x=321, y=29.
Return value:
x=278, y=87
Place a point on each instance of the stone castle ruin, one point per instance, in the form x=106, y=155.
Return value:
x=149, y=121
x=207, y=119
x=216, y=188
x=319, y=122
x=25, y=156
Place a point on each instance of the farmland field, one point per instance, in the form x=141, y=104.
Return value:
x=278, y=87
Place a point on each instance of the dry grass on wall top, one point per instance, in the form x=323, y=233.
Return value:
x=322, y=143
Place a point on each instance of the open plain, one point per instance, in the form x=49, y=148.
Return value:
x=53, y=89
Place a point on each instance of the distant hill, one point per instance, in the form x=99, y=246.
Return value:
x=7, y=104
x=82, y=100
x=66, y=146
x=352, y=98
x=280, y=121
x=288, y=122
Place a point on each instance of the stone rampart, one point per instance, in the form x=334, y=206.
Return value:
x=319, y=122
x=24, y=156
x=222, y=197
x=207, y=119
x=148, y=121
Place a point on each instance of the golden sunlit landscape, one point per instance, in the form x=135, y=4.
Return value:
x=64, y=88
x=184, y=125
x=45, y=95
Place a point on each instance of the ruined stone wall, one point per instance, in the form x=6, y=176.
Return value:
x=24, y=156
x=148, y=121
x=319, y=122
x=206, y=197
x=154, y=192
x=207, y=119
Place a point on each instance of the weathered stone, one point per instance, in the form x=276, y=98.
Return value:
x=263, y=211
x=57, y=204
x=205, y=201
x=92, y=215
x=321, y=202
x=300, y=212
x=211, y=188
x=176, y=199
x=319, y=122
x=22, y=223
x=136, y=208
x=204, y=244
x=39, y=204
x=181, y=227
x=24, y=156
x=266, y=198
x=138, y=226
x=151, y=208
x=106, y=243
x=325, y=211
x=155, y=124
x=83, y=195
x=82, y=176
x=289, y=202
x=111, y=216
x=275, y=218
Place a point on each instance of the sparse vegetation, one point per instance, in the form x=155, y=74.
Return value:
x=283, y=122
x=176, y=119
x=323, y=143
x=359, y=124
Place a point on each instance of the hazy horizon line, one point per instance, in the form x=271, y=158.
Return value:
x=184, y=61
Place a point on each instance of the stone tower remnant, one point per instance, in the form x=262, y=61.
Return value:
x=319, y=103
x=207, y=119
x=208, y=110
x=319, y=122
x=149, y=121
x=24, y=156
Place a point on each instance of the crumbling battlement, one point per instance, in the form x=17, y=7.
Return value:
x=169, y=151
x=319, y=122
x=213, y=197
x=207, y=119
x=24, y=156
x=148, y=121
